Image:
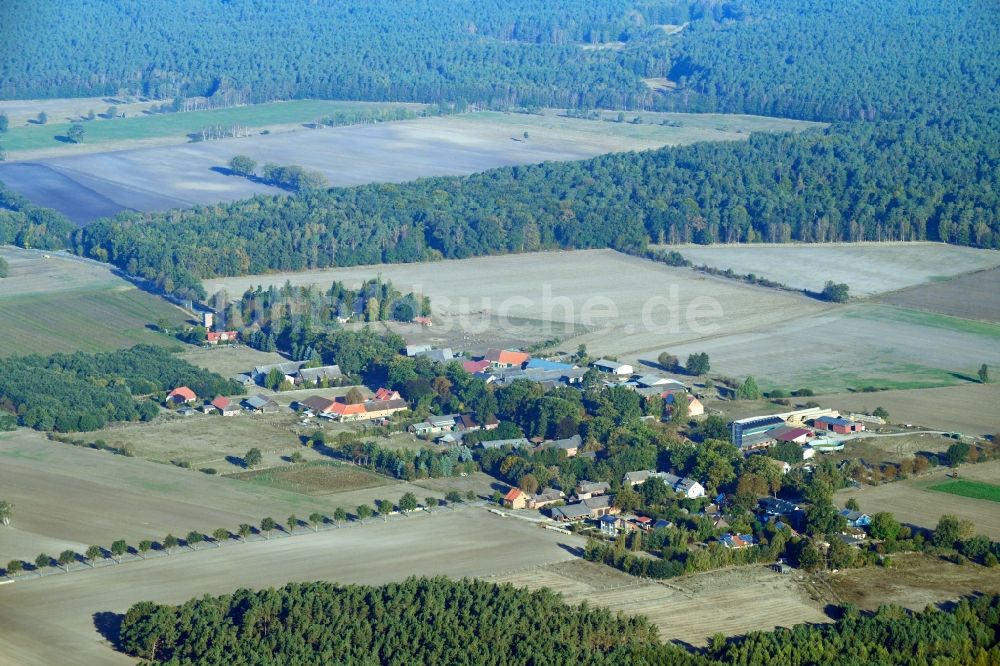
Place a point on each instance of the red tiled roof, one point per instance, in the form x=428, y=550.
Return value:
x=507, y=357
x=472, y=367
x=793, y=434
x=386, y=394
x=221, y=402
x=513, y=494
x=182, y=392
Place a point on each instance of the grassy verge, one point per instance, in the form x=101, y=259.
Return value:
x=966, y=488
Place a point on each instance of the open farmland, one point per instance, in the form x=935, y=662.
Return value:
x=184, y=175
x=973, y=489
x=633, y=308
x=853, y=347
x=970, y=408
x=52, y=620
x=55, y=303
x=911, y=501
x=972, y=296
x=614, y=303
x=315, y=478
x=689, y=609
x=868, y=268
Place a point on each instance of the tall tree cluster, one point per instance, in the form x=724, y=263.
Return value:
x=437, y=621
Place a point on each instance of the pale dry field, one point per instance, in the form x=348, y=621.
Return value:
x=229, y=360
x=972, y=409
x=973, y=296
x=854, y=346
x=162, y=177
x=690, y=608
x=869, y=268
x=51, y=620
x=911, y=503
x=626, y=306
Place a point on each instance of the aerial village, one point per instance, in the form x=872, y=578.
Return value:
x=606, y=509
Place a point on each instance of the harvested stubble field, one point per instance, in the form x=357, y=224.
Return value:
x=973, y=296
x=972, y=409
x=206, y=440
x=868, y=268
x=61, y=304
x=912, y=502
x=158, y=178
x=915, y=581
x=690, y=608
x=52, y=620
x=627, y=306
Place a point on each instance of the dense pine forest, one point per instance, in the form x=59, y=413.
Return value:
x=437, y=621
x=80, y=391
x=899, y=180
x=485, y=51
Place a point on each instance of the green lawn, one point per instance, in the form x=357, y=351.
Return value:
x=928, y=319
x=153, y=126
x=973, y=489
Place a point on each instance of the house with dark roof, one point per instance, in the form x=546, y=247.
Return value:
x=571, y=445
x=608, y=525
x=313, y=376
x=434, y=425
x=856, y=519
x=288, y=369
x=546, y=497
x=588, y=489
x=260, y=404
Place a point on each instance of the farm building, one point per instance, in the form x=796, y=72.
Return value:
x=469, y=423
x=588, y=489
x=747, y=433
x=687, y=487
x=287, y=369
x=313, y=376
x=613, y=367
x=224, y=406
x=505, y=358
x=546, y=497
x=545, y=364
x=436, y=355
x=413, y=350
x=261, y=404
x=387, y=394
x=369, y=410
x=181, y=395
x=838, y=425
x=433, y=425
x=473, y=367
x=656, y=381
x=517, y=443
x=791, y=434
x=516, y=499
x=571, y=445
